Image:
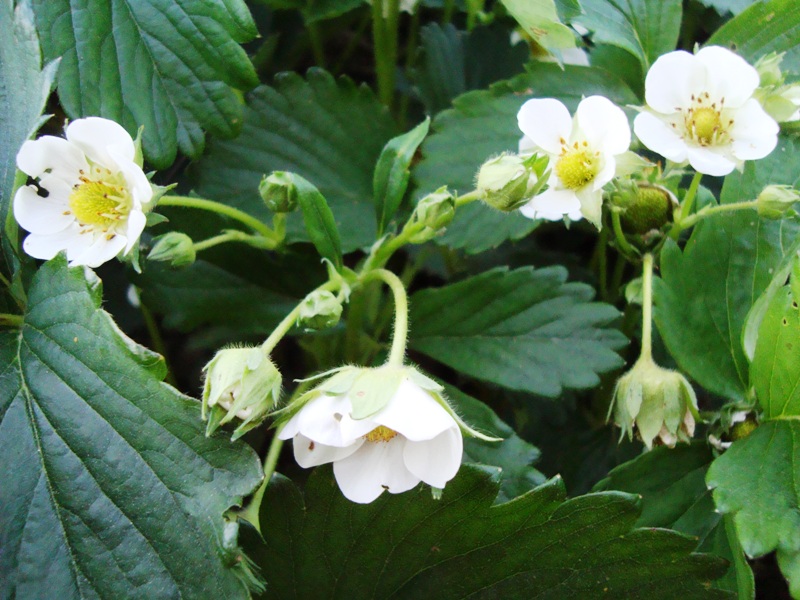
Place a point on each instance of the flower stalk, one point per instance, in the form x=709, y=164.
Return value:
x=398, y=349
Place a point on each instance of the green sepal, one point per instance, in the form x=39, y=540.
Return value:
x=374, y=388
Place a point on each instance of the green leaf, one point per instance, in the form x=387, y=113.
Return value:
x=513, y=455
x=728, y=6
x=316, y=10
x=24, y=89
x=706, y=290
x=319, y=221
x=167, y=65
x=305, y=126
x=484, y=123
x=775, y=371
x=671, y=482
x=411, y=546
x=646, y=28
x=390, y=180
x=540, y=20
x=756, y=482
x=110, y=487
x=765, y=27
x=525, y=330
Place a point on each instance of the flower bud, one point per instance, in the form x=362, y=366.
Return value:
x=175, y=248
x=769, y=69
x=508, y=181
x=279, y=192
x=655, y=403
x=643, y=207
x=240, y=383
x=775, y=201
x=320, y=310
x=435, y=211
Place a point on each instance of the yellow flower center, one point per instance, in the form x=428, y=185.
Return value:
x=101, y=199
x=577, y=166
x=380, y=434
x=705, y=123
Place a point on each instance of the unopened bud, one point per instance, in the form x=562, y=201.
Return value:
x=279, y=192
x=509, y=181
x=643, y=207
x=240, y=383
x=175, y=248
x=655, y=403
x=776, y=201
x=769, y=69
x=320, y=310
x=434, y=212
x=781, y=102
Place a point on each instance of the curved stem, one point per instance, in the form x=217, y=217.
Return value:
x=256, y=241
x=710, y=210
x=222, y=209
x=398, y=350
x=647, y=306
x=691, y=194
x=626, y=248
x=250, y=512
x=467, y=198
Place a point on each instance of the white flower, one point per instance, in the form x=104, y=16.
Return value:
x=411, y=438
x=702, y=111
x=582, y=150
x=97, y=195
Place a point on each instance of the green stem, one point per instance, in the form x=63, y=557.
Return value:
x=9, y=320
x=647, y=306
x=4, y=280
x=619, y=235
x=352, y=45
x=411, y=55
x=467, y=198
x=711, y=210
x=384, y=33
x=222, y=209
x=317, y=47
x=157, y=340
x=449, y=9
x=398, y=350
x=250, y=512
x=289, y=320
x=256, y=241
x=689, y=198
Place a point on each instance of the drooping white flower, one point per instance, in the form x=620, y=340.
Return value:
x=97, y=194
x=411, y=437
x=583, y=151
x=702, y=111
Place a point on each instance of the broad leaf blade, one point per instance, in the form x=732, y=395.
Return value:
x=525, y=330
x=319, y=221
x=411, y=546
x=392, y=173
x=756, y=482
x=484, y=123
x=305, y=126
x=540, y=21
x=167, y=65
x=110, y=488
x=706, y=290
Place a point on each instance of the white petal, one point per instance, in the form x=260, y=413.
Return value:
x=309, y=453
x=546, y=122
x=526, y=145
x=592, y=206
x=365, y=474
x=657, y=135
x=134, y=228
x=672, y=80
x=138, y=184
x=56, y=154
x=754, y=132
x=47, y=246
x=327, y=420
x=705, y=160
x=435, y=461
x=97, y=136
x=99, y=252
x=413, y=413
x=605, y=174
x=40, y=215
x=729, y=75
x=552, y=204
x=604, y=125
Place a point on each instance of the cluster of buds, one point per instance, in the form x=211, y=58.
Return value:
x=432, y=215
x=509, y=181
x=780, y=101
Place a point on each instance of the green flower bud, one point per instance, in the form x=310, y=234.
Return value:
x=319, y=310
x=655, y=403
x=508, y=181
x=643, y=207
x=435, y=211
x=240, y=383
x=775, y=201
x=175, y=248
x=279, y=192
x=769, y=69
x=781, y=102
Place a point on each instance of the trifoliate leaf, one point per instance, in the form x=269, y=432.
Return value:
x=167, y=65
x=707, y=289
x=525, y=330
x=756, y=482
x=484, y=123
x=305, y=126
x=541, y=545
x=110, y=487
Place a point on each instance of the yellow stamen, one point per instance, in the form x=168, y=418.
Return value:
x=380, y=434
x=575, y=168
x=705, y=125
x=97, y=203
